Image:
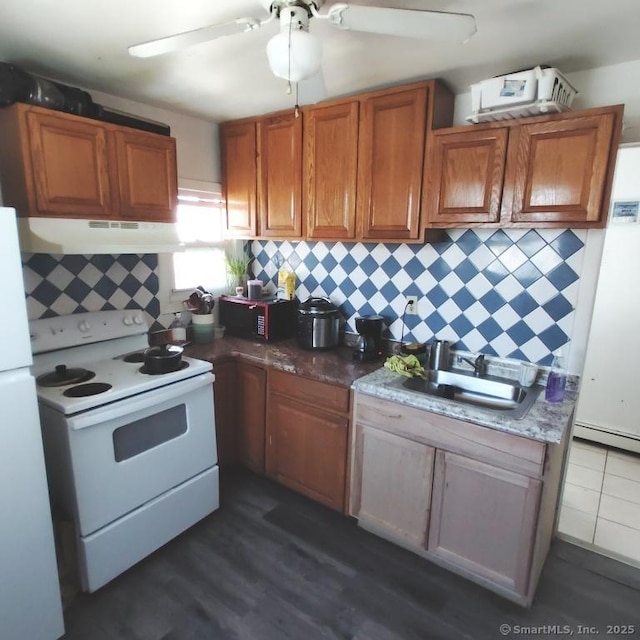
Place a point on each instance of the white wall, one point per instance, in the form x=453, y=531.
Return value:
x=196, y=140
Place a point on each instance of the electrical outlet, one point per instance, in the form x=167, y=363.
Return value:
x=412, y=305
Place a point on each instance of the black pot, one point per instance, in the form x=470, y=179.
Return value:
x=318, y=324
x=162, y=358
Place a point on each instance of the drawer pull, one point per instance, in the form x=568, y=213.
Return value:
x=395, y=416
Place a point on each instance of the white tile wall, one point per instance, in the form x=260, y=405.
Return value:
x=506, y=292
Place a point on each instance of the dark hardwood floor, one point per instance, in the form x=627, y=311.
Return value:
x=272, y=565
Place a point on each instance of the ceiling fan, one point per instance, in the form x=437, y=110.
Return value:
x=295, y=54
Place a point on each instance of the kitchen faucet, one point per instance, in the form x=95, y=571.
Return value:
x=479, y=365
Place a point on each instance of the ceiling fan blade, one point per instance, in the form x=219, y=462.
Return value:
x=409, y=23
x=189, y=38
x=312, y=90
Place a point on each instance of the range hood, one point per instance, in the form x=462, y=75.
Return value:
x=69, y=236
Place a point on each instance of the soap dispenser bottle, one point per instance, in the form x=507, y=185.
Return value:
x=557, y=380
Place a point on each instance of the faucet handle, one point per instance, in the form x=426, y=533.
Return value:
x=480, y=365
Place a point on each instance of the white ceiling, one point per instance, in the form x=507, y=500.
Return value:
x=84, y=43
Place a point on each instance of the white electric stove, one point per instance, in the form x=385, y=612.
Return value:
x=131, y=457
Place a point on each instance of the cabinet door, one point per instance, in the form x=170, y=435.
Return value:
x=484, y=519
x=226, y=421
x=280, y=171
x=147, y=173
x=464, y=177
x=239, y=177
x=307, y=450
x=70, y=162
x=390, y=163
x=558, y=170
x=391, y=485
x=251, y=416
x=330, y=170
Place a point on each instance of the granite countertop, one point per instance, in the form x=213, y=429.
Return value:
x=546, y=422
x=334, y=366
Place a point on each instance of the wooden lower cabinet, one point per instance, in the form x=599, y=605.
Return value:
x=251, y=410
x=307, y=450
x=307, y=437
x=393, y=492
x=475, y=500
x=225, y=406
x=483, y=519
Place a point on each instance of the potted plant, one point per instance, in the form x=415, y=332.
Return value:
x=237, y=267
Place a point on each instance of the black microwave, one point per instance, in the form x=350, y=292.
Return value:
x=267, y=319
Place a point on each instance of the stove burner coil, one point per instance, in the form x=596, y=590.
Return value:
x=83, y=390
x=63, y=376
x=183, y=365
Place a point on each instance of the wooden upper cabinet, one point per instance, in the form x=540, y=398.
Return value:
x=148, y=176
x=280, y=176
x=465, y=176
x=330, y=170
x=546, y=171
x=239, y=177
x=70, y=167
x=558, y=170
x=348, y=169
x=59, y=164
x=390, y=162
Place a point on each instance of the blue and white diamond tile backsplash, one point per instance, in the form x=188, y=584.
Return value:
x=509, y=293
x=62, y=285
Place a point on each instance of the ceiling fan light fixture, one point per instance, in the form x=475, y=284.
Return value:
x=294, y=55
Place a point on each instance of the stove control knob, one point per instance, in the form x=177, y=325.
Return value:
x=138, y=319
x=128, y=320
x=84, y=326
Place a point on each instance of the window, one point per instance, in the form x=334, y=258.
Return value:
x=200, y=220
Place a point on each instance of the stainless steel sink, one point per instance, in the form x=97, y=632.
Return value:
x=488, y=392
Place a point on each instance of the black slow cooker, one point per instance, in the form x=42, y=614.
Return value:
x=318, y=324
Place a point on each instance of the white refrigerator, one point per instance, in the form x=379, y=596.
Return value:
x=30, y=605
x=608, y=408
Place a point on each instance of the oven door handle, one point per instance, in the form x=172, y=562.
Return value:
x=144, y=401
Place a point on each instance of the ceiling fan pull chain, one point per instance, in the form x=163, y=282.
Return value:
x=289, y=55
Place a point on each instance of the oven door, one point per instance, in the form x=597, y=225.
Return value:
x=127, y=453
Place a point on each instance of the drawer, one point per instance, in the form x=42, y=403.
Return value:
x=505, y=450
x=322, y=394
